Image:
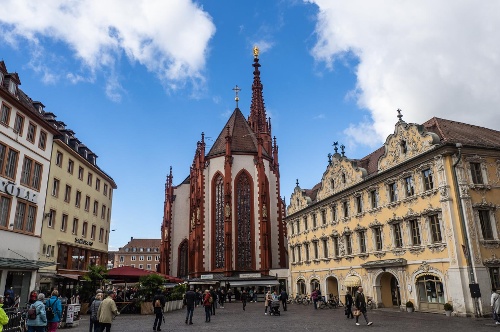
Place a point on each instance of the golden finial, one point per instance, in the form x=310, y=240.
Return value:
x=255, y=51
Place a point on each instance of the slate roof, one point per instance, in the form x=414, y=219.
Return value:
x=243, y=138
x=143, y=243
x=450, y=132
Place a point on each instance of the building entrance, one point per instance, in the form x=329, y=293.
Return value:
x=389, y=290
x=430, y=293
x=332, y=287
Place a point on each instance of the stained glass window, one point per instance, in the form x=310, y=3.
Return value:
x=219, y=222
x=243, y=203
x=183, y=259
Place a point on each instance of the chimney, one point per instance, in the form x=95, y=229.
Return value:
x=131, y=238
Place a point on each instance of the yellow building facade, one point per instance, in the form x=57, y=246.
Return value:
x=77, y=214
x=416, y=220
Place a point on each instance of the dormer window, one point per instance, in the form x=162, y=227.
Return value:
x=12, y=87
x=343, y=178
x=404, y=147
x=1, y=78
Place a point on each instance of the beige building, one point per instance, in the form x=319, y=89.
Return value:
x=77, y=214
x=416, y=220
x=139, y=253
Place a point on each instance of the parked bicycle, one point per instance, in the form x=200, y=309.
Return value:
x=306, y=300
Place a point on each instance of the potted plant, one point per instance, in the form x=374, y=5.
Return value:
x=409, y=306
x=448, y=309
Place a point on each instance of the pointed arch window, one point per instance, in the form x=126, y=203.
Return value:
x=183, y=259
x=243, y=204
x=219, y=222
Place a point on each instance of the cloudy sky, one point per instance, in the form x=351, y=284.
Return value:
x=139, y=81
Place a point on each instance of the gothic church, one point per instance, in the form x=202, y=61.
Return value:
x=226, y=218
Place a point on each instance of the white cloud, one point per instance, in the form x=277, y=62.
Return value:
x=429, y=58
x=263, y=45
x=319, y=117
x=169, y=38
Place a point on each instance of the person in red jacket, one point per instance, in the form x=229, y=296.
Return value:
x=207, y=303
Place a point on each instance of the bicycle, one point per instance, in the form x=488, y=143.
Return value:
x=326, y=304
x=306, y=301
x=369, y=303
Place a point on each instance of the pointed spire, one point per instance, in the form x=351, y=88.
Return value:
x=257, y=118
x=236, y=90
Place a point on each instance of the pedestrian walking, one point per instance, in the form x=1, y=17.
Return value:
x=207, y=303
x=229, y=294
x=39, y=323
x=53, y=304
x=360, y=304
x=106, y=311
x=4, y=319
x=244, y=297
x=314, y=297
x=348, y=305
x=222, y=297
x=159, y=301
x=267, y=301
x=251, y=292
x=94, y=325
x=190, y=299
x=284, y=298
x=495, y=305
x=213, y=295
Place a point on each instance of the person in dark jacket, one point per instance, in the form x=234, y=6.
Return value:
x=244, y=297
x=213, y=294
x=348, y=305
x=94, y=308
x=190, y=299
x=159, y=301
x=360, y=303
x=283, y=298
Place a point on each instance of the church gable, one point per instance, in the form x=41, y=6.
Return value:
x=298, y=201
x=339, y=175
x=408, y=141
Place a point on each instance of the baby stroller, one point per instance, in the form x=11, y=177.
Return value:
x=275, y=308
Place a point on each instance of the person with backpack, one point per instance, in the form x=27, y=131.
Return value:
x=37, y=319
x=4, y=319
x=207, y=303
x=94, y=308
x=53, y=311
x=159, y=301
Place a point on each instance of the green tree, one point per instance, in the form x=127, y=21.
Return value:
x=149, y=284
x=92, y=280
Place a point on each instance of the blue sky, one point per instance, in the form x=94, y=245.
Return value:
x=139, y=83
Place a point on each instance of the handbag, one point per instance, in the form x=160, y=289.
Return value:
x=356, y=313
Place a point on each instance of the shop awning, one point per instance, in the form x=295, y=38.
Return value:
x=352, y=281
x=239, y=283
x=28, y=264
x=69, y=276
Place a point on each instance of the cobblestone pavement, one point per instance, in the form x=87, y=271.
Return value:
x=297, y=318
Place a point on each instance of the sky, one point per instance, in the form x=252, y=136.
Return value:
x=138, y=81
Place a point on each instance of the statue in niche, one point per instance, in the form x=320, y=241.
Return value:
x=227, y=210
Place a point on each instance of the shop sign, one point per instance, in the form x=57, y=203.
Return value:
x=85, y=242
x=10, y=188
x=207, y=276
x=250, y=275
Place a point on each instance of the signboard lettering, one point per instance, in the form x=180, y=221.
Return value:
x=85, y=242
x=10, y=188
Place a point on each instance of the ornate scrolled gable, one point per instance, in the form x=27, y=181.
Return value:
x=408, y=141
x=298, y=201
x=339, y=170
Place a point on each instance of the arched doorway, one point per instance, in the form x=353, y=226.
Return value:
x=389, y=291
x=301, y=287
x=332, y=287
x=315, y=285
x=430, y=292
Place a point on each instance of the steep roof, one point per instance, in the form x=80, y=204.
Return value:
x=242, y=137
x=143, y=243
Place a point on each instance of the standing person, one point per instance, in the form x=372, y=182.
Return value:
x=314, y=297
x=244, y=297
x=495, y=305
x=94, y=318
x=190, y=298
x=360, y=304
x=267, y=301
x=207, y=303
x=284, y=298
x=159, y=301
x=55, y=304
x=222, y=297
x=348, y=305
x=251, y=295
x=229, y=294
x=4, y=319
x=39, y=323
x=106, y=311
x=213, y=294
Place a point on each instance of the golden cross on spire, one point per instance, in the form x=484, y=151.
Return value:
x=255, y=51
x=236, y=90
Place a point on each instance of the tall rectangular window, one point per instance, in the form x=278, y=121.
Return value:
x=293, y=255
x=87, y=203
x=105, y=190
x=74, y=229
x=4, y=210
x=486, y=229
x=59, y=158
x=362, y=241
x=299, y=253
x=64, y=222
x=477, y=175
x=92, y=232
x=374, y=198
x=428, y=181
x=348, y=244
x=359, y=204
x=103, y=211
x=415, y=232
x=315, y=222
x=30, y=137
x=78, y=198
x=377, y=232
x=334, y=212
x=435, y=229
x=84, y=229
x=97, y=184
x=96, y=207
x=315, y=248
x=24, y=219
x=409, y=188
x=323, y=217
x=336, y=246
x=55, y=188
x=8, y=161
x=31, y=173
x=325, y=248
x=306, y=247
x=71, y=165
x=298, y=226
x=5, y=115
x=393, y=192
x=305, y=223
x=89, y=179
x=398, y=238
x=19, y=124
x=345, y=208
x=80, y=173
x=51, y=220
x=42, y=141
x=67, y=194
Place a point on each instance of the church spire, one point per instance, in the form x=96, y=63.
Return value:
x=257, y=119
